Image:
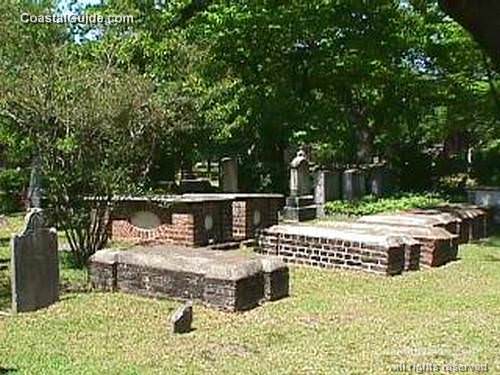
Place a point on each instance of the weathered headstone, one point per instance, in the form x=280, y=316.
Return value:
x=34, y=195
x=351, y=185
x=377, y=180
x=229, y=175
x=299, y=175
x=326, y=188
x=35, y=265
x=300, y=205
x=362, y=179
x=182, y=318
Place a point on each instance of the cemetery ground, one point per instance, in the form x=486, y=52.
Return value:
x=335, y=322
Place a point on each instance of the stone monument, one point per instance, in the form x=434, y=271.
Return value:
x=229, y=175
x=377, y=181
x=34, y=195
x=327, y=187
x=352, y=184
x=35, y=265
x=300, y=205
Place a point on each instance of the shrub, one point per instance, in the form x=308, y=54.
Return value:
x=13, y=183
x=372, y=205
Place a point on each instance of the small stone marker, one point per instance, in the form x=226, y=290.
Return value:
x=35, y=265
x=182, y=318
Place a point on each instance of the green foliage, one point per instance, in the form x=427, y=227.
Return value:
x=372, y=205
x=13, y=183
x=96, y=128
x=352, y=80
x=486, y=166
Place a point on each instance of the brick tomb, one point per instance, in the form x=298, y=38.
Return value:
x=474, y=220
x=379, y=253
x=187, y=221
x=468, y=222
x=224, y=280
x=433, y=219
x=194, y=219
x=251, y=212
x=438, y=246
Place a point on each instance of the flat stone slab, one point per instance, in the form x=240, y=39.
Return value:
x=429, y=219
x=466, y=221
x=318, y=246
x=222, y=279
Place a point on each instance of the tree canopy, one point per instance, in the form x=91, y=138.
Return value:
x=117, y=107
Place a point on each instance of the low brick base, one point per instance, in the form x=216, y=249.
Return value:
x=329, y=248
x=221, y=280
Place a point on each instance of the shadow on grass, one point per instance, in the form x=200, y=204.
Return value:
x=5, y=370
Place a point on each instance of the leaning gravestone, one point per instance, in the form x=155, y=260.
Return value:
x=35, y=265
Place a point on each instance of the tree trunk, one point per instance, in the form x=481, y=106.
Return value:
x=482, y=19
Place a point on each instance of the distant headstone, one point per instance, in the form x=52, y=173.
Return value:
x=229, y=175
x=34, y=195
x=351, y=184
x=300, y=204
x=377, y=180
x=362, y=181
x=35, y=265
x=326, y=188
x=299, y=175
x=182, y=319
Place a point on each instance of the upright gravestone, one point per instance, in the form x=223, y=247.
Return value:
x=377, y=180
x=229, y=175
x=299, y=175
x=349, y=184
x=34, y=195
x=300, y=205
x=326, y=188
x=35, y=265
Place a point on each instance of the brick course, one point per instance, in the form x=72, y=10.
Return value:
x=328, y=248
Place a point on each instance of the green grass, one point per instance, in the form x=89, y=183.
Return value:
x=334, y=323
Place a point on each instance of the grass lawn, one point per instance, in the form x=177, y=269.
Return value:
x=334, y=323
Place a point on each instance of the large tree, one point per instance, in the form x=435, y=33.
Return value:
x=94, y=126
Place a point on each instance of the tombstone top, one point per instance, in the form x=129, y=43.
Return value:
x=33, y=221
x=299, y=160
